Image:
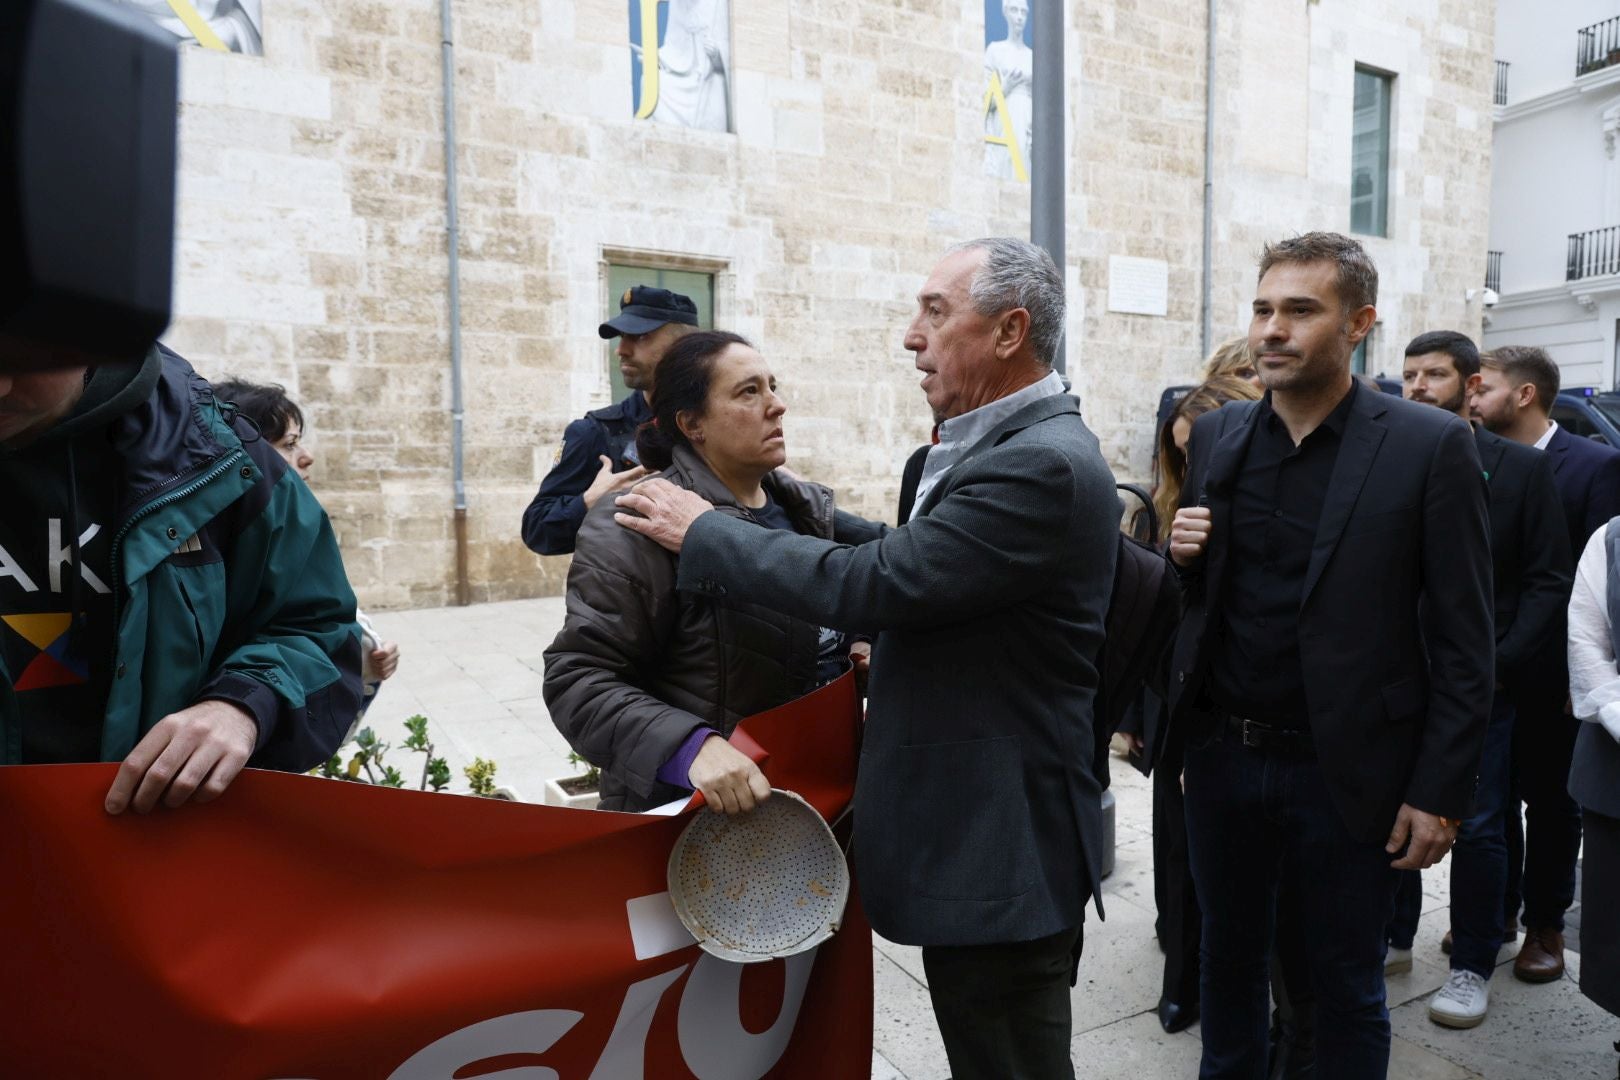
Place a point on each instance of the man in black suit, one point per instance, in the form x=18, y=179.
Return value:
x=1517, y=388
x=979, y=832
x=1333, y=663
x=1531, y=572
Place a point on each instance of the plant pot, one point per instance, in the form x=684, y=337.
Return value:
x=557, y=795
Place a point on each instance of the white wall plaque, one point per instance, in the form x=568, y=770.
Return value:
x=1138, y=286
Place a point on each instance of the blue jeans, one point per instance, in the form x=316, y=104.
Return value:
x=1479, y=861
x=1255, y=820
x=1408, y=908
x=1546, y=842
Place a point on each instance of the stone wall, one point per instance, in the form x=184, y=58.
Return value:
x=313, y=243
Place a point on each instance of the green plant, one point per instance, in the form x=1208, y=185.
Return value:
x=367, y=766
x=592, y=776
x=481, y=778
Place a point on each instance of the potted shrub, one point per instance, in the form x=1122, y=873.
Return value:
x=578, y=791
x=367, y=765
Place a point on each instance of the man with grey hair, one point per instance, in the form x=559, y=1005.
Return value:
x=978, y=833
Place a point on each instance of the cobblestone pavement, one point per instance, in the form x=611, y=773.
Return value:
x=476, y=673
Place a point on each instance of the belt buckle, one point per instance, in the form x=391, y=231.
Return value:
x=1249, y=733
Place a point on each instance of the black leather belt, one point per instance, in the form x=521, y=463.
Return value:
x=1258, y=736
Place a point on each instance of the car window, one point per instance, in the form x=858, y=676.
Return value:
x=1575, y=421
x=1609, y=407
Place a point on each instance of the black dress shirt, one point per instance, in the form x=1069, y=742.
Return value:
x=1277, y=501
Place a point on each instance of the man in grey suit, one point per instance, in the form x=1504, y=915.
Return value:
x=978, y=828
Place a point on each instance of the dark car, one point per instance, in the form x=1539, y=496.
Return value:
x=1586, y=411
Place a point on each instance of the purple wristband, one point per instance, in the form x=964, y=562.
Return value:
x=675, y=771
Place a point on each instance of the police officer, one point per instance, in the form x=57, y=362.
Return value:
x=598, y=452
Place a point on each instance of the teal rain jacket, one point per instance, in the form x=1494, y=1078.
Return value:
x=228, y=585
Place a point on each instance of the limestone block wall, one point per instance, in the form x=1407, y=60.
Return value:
x=312, y=239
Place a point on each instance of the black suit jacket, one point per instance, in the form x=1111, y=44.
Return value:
x=978, y=819
x=1588, y=476
x=1532, y=568
x=1395, y=632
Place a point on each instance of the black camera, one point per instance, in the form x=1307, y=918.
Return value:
x=87, y=183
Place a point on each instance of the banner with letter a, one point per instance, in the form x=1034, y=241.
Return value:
x=307, y=929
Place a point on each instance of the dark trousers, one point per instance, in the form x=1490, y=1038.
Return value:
x=1543, y=847
x=1293, y=1020
x=1180, y=920
x=1003, y=1010
x=1259, y=823
x=1479, y=862
x=1403, y=924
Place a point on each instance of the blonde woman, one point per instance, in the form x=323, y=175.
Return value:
x=1173, y=437
x=1233, y=358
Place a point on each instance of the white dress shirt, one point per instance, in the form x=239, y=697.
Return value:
x=1546, y=436
x=1594, y=682
x=962, y=433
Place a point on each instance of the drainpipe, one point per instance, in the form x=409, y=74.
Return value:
x=447, y=54
x=1209, y=183
x=1046, y=224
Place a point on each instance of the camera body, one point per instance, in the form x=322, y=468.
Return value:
x=87, y=183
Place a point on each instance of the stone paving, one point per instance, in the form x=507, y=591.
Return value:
x=476, y=673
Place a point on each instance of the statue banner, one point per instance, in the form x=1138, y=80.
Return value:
x=1009, y=103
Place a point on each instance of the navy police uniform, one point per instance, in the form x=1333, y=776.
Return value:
x=552, y=519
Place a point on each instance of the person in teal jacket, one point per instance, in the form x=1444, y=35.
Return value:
x=171, y=594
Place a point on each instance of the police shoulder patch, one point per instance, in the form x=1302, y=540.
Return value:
x=558, y=455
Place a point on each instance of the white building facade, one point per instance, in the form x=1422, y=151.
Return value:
x=1555, y=190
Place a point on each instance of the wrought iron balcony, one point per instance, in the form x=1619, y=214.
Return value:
x=1593, y=254
x=1501, y=82
x=1493, y=271
x=1597, y=46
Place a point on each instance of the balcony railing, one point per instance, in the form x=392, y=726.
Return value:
x=1594, y=254
x=1501, y=82
x=1597, y=46
x=1493, y=271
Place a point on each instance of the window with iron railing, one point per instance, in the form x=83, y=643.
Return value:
x=1493, y=271
x=1597, y=46
x=1595, y=253
x=1501, y=82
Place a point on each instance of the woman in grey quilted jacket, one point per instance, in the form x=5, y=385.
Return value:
x=646, y=682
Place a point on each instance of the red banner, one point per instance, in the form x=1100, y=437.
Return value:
x=313, y=929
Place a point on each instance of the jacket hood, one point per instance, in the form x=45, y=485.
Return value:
x=169, y=434
x=110, y=391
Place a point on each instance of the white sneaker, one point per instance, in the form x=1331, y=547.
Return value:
x=1397, y=961
x=1462, y=1002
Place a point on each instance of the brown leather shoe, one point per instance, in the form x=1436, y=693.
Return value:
x=1542, y=957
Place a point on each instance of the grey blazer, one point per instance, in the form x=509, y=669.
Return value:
x=977, y=817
